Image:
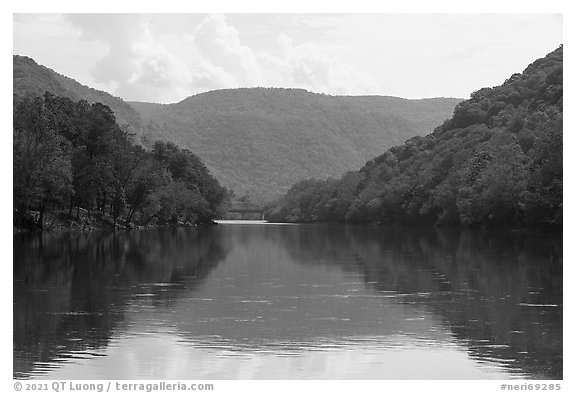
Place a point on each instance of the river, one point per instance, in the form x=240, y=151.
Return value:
x=267, y=301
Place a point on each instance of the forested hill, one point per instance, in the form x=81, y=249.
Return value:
x=497, y=161
x=259, y=141
x=32, y=79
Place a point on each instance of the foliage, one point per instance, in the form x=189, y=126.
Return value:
x=42, y=168
x=74, y=154
x=496, y=162
x=259, y=141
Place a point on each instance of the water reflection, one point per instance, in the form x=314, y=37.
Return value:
x=499, y=292
x=71, y=291
x=262, y=301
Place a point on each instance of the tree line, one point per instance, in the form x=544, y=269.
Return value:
x=69, y=156
x=496, y=162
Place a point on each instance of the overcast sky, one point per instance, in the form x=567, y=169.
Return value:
x=167, y=57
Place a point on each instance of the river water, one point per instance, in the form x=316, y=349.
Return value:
x=267, y=301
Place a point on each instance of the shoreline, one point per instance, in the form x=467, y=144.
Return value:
x=57, y=223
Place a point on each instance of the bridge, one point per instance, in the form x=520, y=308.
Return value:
x=244, y=211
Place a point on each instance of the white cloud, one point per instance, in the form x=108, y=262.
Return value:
x=165, y=58
x=138, y=65
x=219, y=43
x=142, y=65
x=157, y=74
x=308, y=66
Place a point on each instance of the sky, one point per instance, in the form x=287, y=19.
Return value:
x=168, y=57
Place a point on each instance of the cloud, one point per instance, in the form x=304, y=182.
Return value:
x=308, y=66
x=219, y=43
x=157, y=73
x=118, y=31
x=138, y=65
x=147, y=65
x=165, y=58
x=225, y=62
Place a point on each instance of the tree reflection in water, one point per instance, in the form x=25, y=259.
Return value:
x=71, y=290
x=499, y=294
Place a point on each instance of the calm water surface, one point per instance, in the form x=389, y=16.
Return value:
x=288, y=302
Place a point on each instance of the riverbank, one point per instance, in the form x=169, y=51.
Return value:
x=59, y=221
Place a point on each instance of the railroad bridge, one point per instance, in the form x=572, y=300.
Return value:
x=244, y=211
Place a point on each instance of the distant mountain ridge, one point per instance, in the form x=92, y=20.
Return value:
x=259, y=141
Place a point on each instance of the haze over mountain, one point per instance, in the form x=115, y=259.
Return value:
x=259, y=141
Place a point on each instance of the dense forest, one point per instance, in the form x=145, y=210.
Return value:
x=496, y=162
x=259, y=141
x=72, y=157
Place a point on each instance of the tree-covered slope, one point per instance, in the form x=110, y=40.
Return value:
x=71, y=155
x=259, y=141
x=497, y=161
x=32, y=79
